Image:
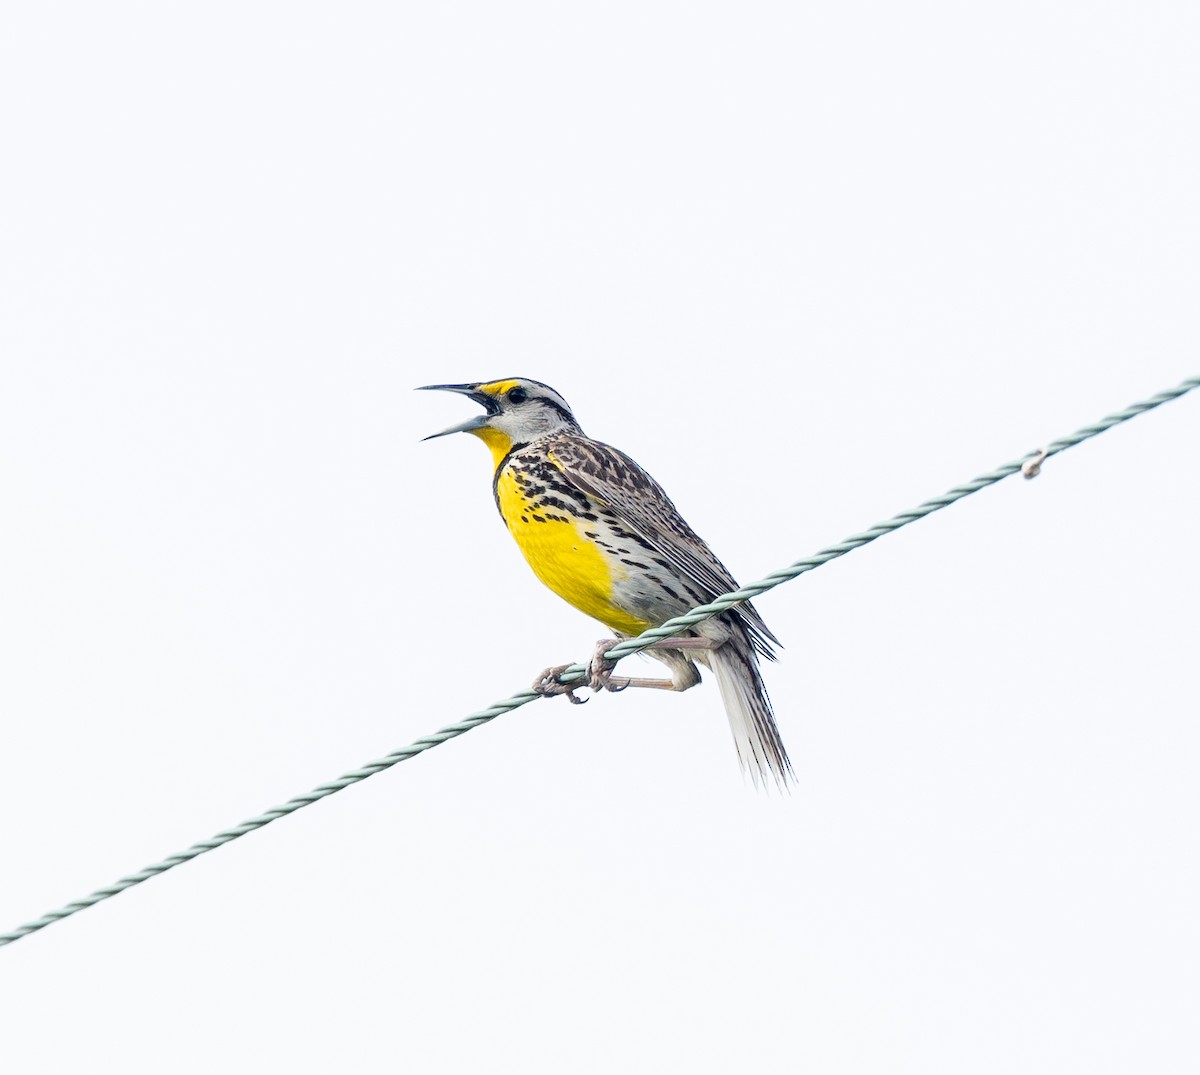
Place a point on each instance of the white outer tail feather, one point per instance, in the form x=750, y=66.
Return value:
x=751, y=719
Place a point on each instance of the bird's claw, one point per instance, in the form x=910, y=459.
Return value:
x=599, y=676
x=548, y=685
x=600, y=668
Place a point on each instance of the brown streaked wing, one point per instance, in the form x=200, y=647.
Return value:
x=609, y=475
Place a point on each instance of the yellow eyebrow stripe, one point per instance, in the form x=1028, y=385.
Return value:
x=498, y=388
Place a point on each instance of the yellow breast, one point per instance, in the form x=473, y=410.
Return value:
x=564, y=558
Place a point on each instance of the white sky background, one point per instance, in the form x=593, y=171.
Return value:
x=808, y=264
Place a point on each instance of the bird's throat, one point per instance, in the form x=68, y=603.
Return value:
x=499, y=443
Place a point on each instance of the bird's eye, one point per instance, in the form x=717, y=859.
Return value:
x=517, y=395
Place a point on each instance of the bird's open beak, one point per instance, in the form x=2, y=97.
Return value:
x=471, y=391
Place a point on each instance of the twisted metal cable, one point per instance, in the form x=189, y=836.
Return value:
x=622, y=649
x=800, y=567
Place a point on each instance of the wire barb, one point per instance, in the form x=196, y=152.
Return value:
x=621, y=649
x=1032, y=466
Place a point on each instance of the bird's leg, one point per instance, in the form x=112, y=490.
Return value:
x=600, y=668
x=600, y=675
x=686, y=642
x=619, y=683
x=547, y=684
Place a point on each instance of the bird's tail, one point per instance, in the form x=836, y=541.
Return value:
x=751, y=718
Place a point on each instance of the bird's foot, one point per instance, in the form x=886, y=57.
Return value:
x=600, y=668
x=600, y=676
x=548, y=685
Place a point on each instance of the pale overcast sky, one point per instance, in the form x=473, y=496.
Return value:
x=810, y=264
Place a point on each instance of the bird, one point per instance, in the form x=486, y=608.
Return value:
x=601, y=533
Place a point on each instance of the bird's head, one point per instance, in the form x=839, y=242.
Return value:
x=517, y=411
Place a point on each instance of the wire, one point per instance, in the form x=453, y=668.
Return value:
x=1028, y=463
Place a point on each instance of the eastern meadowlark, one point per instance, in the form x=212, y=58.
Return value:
x=602, y=534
